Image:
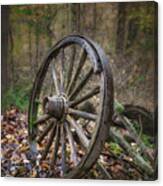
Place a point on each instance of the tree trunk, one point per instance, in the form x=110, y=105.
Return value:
x=82, y=17
x=12, y=68
x=30, y=46
x=4, y=49
x=94, y=20
x=78, y=17
x=30, y=49
x=50, y=33
x=37, y=37
x=120, y=41
x=75, y=18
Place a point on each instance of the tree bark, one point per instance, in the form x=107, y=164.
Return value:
x=50, y=34
x=37, y=37
x=82, y=18
x=30, y=48
x=120, y=41
x=78, y=17
x=4, y=48
x=75, y=18
x=11, y=56
x=94, y=20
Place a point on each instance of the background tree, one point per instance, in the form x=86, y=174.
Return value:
x=4, y=49
x=120, y=28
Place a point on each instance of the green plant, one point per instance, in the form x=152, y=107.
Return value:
x=115, y=148
x=147, y=141
x=18, y=97
x=118, y=107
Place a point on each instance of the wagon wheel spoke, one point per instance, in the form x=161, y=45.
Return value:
x=49, y=143
x=90, y=94
x=51, y=87
x=63, y=151
x=83, y=82
x=72, y=145
x=83, y=139
x=62, y=71
x=46, y=131
x=54, y=76
x=82, y=114
x=42, y=119
x=56, y=145
x=82, y=60
x=70, y=69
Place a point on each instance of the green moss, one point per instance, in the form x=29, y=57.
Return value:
x=118, y=107
x=147, y=140
x=115, y=148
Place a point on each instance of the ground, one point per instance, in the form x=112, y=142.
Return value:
x=16, y=159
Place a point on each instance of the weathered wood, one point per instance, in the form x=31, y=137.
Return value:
x=72, y=145
x=79, y=131
x=136, y=113
x=79, y=87
x=82, y=114
x=100, y=65
x=82, y=60
x=112, y=154
x=54, y=76
x=129, y=126
x=62, y=71
x=145, y=166
x=49, y=143
x=56, y=145
x=103, y=170
x=89, y=95
x=45, y=132
x=63, y=151
x=71, y=65
x=42, y=119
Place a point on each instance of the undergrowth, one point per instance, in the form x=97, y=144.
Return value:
x=18, y=97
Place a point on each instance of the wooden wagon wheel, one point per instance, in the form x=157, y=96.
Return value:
x=71, y=106
x=143, y=117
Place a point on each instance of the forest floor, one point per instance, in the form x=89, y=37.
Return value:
x=16, y=160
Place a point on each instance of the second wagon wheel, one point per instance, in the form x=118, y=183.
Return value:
x=71, y=106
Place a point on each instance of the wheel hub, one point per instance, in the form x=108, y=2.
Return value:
x=55, y=106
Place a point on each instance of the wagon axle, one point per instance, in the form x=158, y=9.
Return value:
x=55, y=106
